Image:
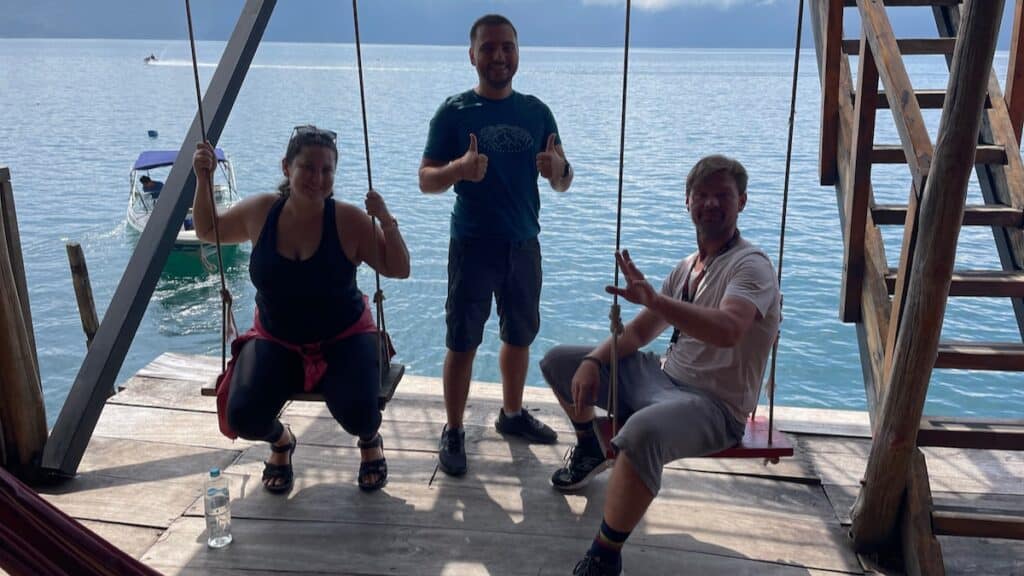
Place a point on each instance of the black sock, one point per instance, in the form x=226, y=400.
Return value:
x=608, y=543
x=586, y=438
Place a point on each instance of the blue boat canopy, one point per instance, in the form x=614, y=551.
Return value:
x=157, y=158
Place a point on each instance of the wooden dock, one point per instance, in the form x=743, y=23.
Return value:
x=140, y=482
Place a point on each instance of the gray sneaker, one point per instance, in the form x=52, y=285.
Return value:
x=451, y=454
x=581, y=466
x=525, y=426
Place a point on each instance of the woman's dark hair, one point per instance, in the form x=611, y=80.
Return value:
x=303, y=136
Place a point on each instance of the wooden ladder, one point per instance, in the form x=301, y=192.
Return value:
x=875, y=296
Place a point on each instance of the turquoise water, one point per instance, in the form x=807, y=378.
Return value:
x=75, y=114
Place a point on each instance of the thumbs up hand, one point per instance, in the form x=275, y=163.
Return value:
x=550, y=162
x=472, y=164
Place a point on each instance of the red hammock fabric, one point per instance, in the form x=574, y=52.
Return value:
x=38, y=539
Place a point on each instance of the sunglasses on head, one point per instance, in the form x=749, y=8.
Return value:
x=311, y=130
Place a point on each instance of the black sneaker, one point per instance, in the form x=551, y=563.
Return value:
x=452, y=451
x=525, y=426
x=595, y=566
x=581, y=466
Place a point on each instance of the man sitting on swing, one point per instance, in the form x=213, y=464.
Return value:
x=724, y=304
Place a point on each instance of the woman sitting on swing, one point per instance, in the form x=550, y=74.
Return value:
x=313, y=329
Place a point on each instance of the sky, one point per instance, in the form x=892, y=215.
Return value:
x=655, y=23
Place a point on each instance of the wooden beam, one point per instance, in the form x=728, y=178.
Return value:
x=971, y=433
x=950, y=521
x=974, y=215
x=978, y=283
x=860, y=187
x=833, y=34
x=22, y=412
x=926, y=99
x=922, y=553
x=95, y=378
x=851, y=3
x=874, y=300
x=999, y=185
x=931, y=266
x=985, y=154
x=1015, y=72
x=910, y=46
x=913, y=137
x=994, y=356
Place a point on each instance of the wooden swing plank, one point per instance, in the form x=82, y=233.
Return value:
x=755, y=442
x=387, y=389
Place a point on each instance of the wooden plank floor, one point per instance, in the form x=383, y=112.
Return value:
x=140, y=484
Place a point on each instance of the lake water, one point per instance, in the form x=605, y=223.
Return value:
x=75, y=114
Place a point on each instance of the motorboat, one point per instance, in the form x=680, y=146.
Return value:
x=147, y=176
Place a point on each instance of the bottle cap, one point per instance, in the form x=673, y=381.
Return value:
x=214, y=472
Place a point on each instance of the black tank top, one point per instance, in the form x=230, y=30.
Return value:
x=303, y=301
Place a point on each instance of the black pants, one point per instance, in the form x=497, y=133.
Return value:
x=266, y=375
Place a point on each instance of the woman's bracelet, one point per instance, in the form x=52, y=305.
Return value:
x=594, y=360
x=391, y=225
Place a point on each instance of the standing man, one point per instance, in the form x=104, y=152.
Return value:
x=724, y=304
x=491, y=143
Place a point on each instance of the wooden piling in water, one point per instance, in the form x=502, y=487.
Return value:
x=22, y=413
x=83, y=291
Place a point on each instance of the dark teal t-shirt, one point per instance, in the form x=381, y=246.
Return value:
x=505, y=205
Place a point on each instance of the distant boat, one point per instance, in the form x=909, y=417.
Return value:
x=150, y=59
x=145, y=193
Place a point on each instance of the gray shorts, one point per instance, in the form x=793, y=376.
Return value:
x=664, y=420
x=481, y=270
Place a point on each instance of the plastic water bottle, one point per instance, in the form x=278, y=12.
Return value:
x=217, y=503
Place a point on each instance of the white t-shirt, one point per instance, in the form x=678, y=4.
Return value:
x=732, y=374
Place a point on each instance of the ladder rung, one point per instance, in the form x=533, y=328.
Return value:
x=974, y=215
x=910, y=46
x=978, y=283
x=995, y=356
x=852, y=3
x=976, y=523
x=893, y=154
x=926, y=99
x=971, y=433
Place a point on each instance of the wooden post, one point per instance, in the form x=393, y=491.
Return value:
x=922, y=553
x=22, y=413
x=1015, y=72
x=14, y=244
x=942, y=205
x=832, y=47
x=83, y=291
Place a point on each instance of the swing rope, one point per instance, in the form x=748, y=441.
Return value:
x=378, y=295
x=227, y=320
x=614, y=314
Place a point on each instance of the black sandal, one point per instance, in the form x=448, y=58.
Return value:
x=283, y=472
x=378, y=467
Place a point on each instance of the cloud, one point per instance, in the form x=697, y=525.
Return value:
x=660, y=5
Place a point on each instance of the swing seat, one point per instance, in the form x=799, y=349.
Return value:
x=755, y=442
x=387, y=388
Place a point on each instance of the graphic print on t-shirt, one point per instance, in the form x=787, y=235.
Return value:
x=505, y=138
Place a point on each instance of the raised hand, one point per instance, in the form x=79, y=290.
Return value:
x=376, y=207
x=203, y=161
x=550, y=163
x=473, y=163
x=638, y=290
